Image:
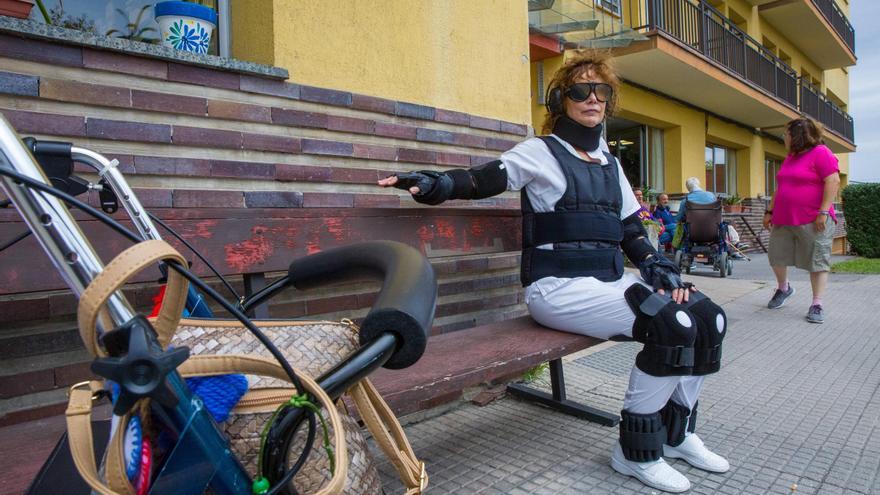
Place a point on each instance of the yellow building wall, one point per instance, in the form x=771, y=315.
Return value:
x=799, y=61
x=843, y=162
x=453, y=54
x=684, y=133
x=253, y=33
x=538, y=109
x=837, y=82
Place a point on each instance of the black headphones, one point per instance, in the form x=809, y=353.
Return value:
x=553, y=100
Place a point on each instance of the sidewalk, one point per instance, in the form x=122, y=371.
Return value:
x=795, y=408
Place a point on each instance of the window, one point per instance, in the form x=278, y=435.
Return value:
x=654, y=163
x=639, y=148
x=720, y=170
x=129, y=19
x=771, y=168
x=612, y=6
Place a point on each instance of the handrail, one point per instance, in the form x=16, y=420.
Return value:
x=838, y=21
x=705, y=29
x=817, y=105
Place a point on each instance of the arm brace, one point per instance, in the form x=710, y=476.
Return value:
x=635, y=240
x=482, y=181
x=653, y=266
x=479, y=182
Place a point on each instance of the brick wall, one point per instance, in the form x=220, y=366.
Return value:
x=254, y=172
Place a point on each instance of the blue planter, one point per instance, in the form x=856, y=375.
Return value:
x=186, y=26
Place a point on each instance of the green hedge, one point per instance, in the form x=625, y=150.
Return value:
x=861, y=205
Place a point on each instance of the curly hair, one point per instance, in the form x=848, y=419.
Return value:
x=600, y=62
x=804, y=134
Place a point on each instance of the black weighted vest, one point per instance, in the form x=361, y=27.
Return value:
x=584, y=228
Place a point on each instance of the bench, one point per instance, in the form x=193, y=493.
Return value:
x=490, y=353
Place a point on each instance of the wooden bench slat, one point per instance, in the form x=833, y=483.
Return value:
x=478, y=355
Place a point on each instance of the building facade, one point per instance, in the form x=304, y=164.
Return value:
x=709, y=84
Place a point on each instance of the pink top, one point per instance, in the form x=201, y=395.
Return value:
x=800, y=185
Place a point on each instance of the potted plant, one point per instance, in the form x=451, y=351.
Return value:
x=16, y=8
x=733, y=204
x=186, y=26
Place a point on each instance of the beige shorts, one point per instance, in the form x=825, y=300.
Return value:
x=802, y=246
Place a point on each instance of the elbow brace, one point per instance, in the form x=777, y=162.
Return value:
x=479, y=182
x=482, y=181
x=635, y=240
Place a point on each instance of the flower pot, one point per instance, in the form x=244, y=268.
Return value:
x=16, y=8
x=186, y=26
x=733, y=208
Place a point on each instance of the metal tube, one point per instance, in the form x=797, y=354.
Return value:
x=224, y=39
x=53, y=225
x=109, y=171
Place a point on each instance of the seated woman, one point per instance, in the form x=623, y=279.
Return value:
x=579, y=217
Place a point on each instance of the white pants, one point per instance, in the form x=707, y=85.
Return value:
x=588, y=306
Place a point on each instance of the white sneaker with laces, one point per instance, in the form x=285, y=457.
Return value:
x=656, y=474
x=695, y=453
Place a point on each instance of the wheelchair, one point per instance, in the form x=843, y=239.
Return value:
x=704, y=239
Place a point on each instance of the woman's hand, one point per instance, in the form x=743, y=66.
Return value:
x=679, y=295
x=767, y=221
x=391, y=180
x=819, y=222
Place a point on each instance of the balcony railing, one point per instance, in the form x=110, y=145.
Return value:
x=705, y=29
x=818, y=106
x=838, y=21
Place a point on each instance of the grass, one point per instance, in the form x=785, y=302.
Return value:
x=534, y=373
x=857, y=265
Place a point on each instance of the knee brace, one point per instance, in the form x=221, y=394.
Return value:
x=711, y=329
x=667, y=329
x=678, y=419
x=642, y=436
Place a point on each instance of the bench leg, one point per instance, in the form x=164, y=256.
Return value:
x=253, y=282
x=557, y=400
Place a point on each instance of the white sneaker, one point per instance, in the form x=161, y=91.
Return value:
x=656, y=474
x=697, y=455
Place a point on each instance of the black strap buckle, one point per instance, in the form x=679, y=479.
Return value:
x=680, y=356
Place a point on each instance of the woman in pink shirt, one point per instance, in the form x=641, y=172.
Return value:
x=801, y=215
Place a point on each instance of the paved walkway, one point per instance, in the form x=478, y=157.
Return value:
x=796, y=407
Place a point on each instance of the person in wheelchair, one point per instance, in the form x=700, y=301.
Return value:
x=580, y=217
x=704, y=232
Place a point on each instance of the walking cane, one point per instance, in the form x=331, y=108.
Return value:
x=738, y=250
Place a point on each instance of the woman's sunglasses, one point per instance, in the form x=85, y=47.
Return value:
x=581, y=91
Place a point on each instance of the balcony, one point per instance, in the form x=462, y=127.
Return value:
x=699, y=56
x=817, y=27
x=695, y=54
x=818, y=106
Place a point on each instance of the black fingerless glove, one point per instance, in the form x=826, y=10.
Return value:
x=661, y=273
x=434, y=187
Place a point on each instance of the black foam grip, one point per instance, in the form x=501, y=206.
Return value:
x=406, y=302
x=49, y=148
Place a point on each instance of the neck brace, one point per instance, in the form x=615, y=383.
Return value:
x=578, y=135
